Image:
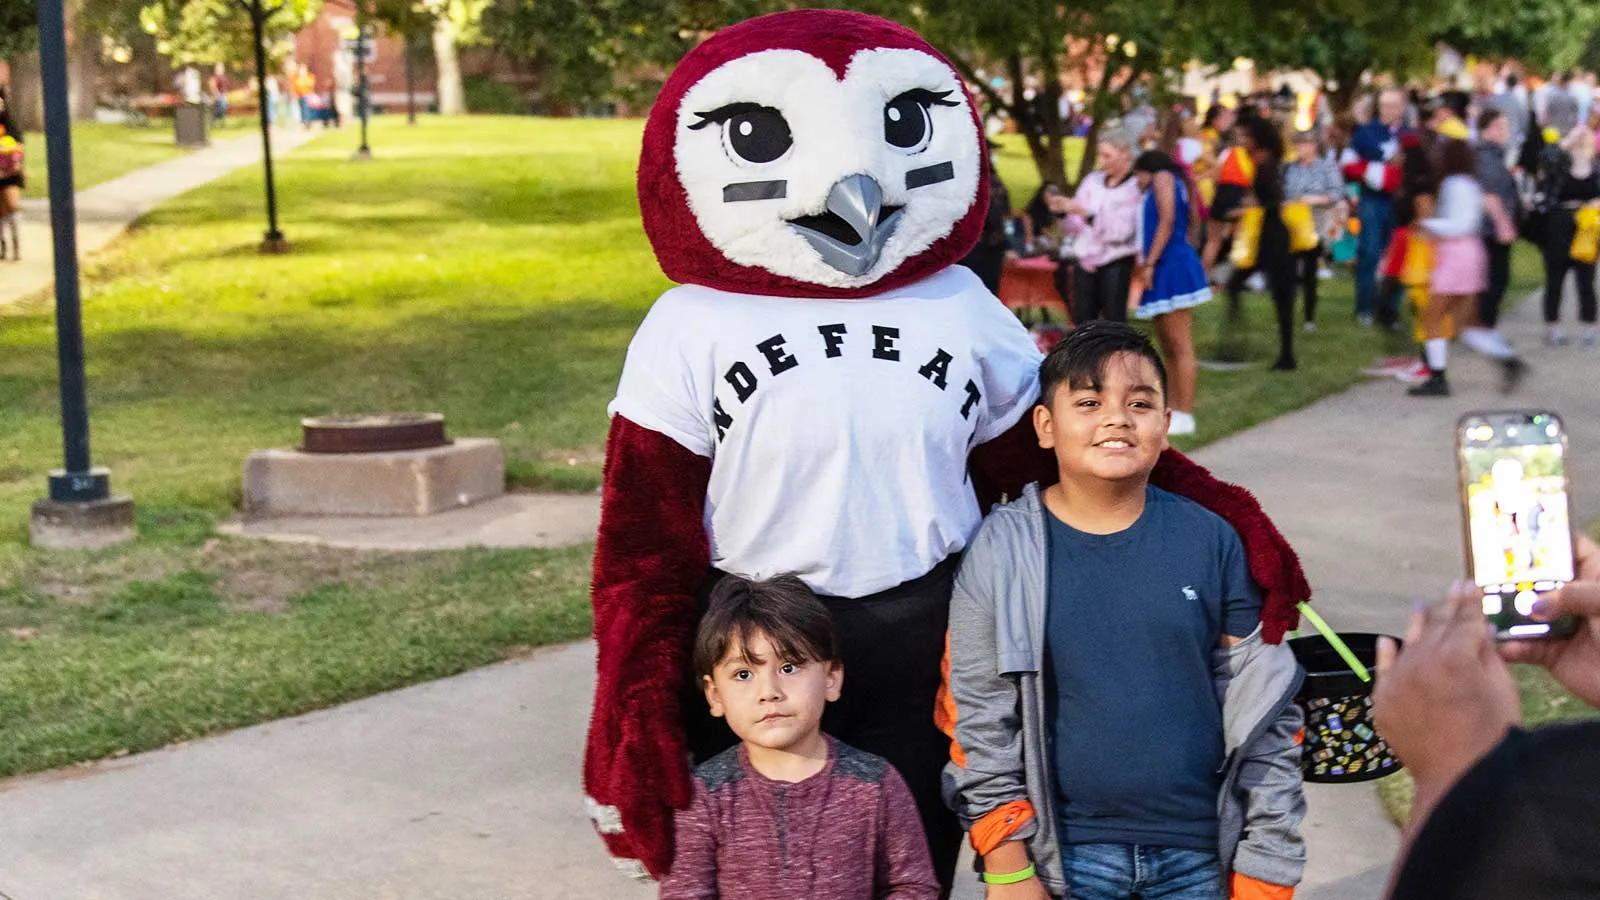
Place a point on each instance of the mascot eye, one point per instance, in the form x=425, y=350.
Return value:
x=753, y=133
x=907, y=123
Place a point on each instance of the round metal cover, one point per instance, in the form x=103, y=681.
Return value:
x=377, y=433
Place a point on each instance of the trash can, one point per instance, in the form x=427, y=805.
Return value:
x=190, y=120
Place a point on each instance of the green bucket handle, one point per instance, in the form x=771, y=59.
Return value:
x=1336, y=642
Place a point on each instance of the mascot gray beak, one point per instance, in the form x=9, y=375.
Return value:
x=851, y=234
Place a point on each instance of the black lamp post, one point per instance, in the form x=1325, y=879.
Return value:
x=80, y=511
x=363, y=89
x=274, y=242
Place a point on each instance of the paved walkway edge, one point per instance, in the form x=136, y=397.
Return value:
x=106, y=210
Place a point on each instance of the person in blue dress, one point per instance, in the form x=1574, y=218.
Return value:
x=1172, y=279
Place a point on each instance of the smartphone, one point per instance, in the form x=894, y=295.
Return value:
x=1515, y=515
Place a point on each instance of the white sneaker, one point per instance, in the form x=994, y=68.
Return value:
x=1182, y=423
x=1417, y=373
x=1324, y=273
x=1310, y=327
x=1256, y=282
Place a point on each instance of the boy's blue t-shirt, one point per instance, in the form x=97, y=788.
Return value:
x=1130, y=624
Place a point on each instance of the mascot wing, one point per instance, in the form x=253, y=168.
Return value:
x=651, y=555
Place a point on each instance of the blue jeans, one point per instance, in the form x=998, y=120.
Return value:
x=1121, y=871
x=1377, y=226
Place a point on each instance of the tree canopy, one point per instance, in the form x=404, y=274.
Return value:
x=208, y=31
x=19, y=31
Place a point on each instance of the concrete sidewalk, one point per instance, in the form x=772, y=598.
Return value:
x=468, y=788
x=105, y=210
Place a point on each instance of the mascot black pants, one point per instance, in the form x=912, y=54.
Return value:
x=893, y=645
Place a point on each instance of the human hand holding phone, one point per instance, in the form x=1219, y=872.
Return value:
x=1575, y=662
x=1447, y=699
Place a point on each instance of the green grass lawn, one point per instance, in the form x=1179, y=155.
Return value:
x=101, y=152
x=492, y=269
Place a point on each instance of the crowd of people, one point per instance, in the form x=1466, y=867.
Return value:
x=294, y=94
x=1424, y=195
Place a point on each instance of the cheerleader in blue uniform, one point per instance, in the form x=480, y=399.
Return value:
x=1171, y=277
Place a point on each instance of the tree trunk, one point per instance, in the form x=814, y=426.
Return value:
x=1349, y=82
x=83, y=74
x=27, y=93
x=447, y=65
x=411, y=80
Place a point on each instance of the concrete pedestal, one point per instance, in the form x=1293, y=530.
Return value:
x=281, y=483
x=86, y=525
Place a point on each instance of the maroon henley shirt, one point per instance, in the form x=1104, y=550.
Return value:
x=849, y=832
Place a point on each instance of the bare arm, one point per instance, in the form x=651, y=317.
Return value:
x=1505, y=230
x=1166, y=209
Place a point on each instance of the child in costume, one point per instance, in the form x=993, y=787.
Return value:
x=1095, y=626
x=1171, y=281
x=12, y=181
x=789, y=811
x=1460, y=263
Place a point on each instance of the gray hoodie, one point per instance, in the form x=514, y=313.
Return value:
x=1002, y=736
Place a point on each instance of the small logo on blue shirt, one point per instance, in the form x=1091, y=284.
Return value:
x=1190, y=594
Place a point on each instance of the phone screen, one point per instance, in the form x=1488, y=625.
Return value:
x=1519, y=537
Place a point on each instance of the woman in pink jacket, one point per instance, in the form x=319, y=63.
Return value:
x=1103, y=218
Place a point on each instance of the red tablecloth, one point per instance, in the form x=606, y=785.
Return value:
x=1029, y=284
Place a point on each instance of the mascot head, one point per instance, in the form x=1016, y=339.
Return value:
x=813, y=153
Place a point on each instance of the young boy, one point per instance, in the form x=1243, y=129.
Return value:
x=1121, y=727
x=789, y=811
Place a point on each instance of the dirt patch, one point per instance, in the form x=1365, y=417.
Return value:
x=262, y=577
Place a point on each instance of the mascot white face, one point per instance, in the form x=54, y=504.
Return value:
x=830, y=180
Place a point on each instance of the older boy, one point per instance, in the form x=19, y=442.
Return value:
x=1121, y=728
x=789, y=811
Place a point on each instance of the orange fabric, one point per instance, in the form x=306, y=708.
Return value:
x=1247, y=888
x=944, y=708
x=1237, y=168
x=304, y=84
x=997, y=827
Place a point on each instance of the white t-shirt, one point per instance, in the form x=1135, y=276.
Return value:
x=838, y=430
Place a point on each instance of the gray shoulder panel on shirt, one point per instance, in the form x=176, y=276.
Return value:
x=720, y=770
x=859, y=764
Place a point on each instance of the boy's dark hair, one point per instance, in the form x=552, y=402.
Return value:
x=782, y=608
x=1488, y=117
x=1079, y=360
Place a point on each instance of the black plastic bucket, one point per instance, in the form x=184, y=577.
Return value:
x=1341, y=745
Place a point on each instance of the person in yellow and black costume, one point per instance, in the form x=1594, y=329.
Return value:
x=1262, y=146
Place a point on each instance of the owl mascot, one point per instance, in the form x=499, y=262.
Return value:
x=825, y=394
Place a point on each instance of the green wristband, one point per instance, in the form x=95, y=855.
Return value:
x=1013, y=878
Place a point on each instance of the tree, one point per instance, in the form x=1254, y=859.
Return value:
x=607, y=50
x=18, y=38
x=1547, y=34
x=411, y=20
x=456, y=23
x=211, y=31
x=19, y=27
x=1341, y=40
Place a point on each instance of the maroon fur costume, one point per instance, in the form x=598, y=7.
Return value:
x=653, y=550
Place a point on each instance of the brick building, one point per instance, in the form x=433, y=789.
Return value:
x=319, y=44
